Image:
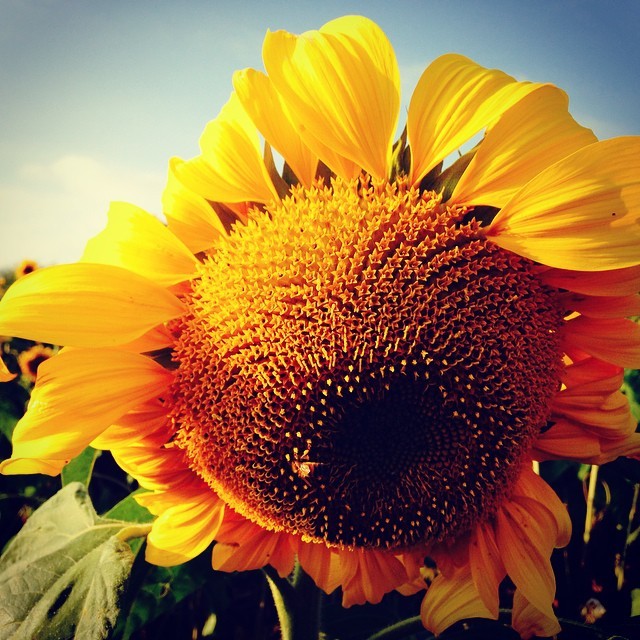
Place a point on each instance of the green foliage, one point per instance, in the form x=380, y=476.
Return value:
x=80, y=468
x=62, y=575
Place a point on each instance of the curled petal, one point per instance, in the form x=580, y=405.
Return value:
x=139, y=242
x=451, y=599
x=533, y=134
x=583, y=212
x=188, y=522
x=85, y=305
x=336, y=82
x=530, y=622
x=454, y=99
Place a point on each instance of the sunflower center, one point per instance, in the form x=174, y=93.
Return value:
x=359, y=366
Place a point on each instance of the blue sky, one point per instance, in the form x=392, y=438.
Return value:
x=96, y=96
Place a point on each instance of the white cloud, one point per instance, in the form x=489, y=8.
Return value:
x=49, y=211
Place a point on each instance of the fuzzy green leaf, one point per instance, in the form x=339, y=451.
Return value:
x=62, y=575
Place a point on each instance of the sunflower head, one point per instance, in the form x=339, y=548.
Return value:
x=352, y=359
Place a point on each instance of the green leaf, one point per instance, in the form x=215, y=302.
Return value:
x=128, y=509
x=62, y=575
x=80, y=468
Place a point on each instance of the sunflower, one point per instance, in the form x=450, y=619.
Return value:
x=24, y=268
x=30, y=360
x=353, y=361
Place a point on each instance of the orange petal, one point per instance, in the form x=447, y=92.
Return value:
x=454, y=99
x=136, y=240
x=535, y=494
x=603, y=306
x=336, y=82
x=78, y=394
x=449, y=600
x=230, y=168
x=528, y=526
x=243, y=545
x=613, y=340
x=185, y=528
x=486, y=566
x=377, y=573
x=85, y=305
x=566, y=440
x=529, y=137
x=581, y=213
x=328, y=568
x=529, y=622
x=608, y=413
x=615, y=282
x=267, y=110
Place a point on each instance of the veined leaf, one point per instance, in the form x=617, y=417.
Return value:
x=62, y=575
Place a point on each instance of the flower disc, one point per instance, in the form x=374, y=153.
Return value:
x=359, y=366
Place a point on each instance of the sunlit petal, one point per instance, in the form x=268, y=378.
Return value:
x=533, y=134
x=136, y=240
x=454, y=99
x=85, y=305
x=336, y=82
x=581, y=213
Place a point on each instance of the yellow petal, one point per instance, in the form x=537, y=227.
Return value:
x=27, y=466
x=230, y=168
x=532, y=135
x=450, y=599
x=341, y=85
x=581, y=213
x=612, y=340
x=529, y=622
x=136, y=240
x=185, y=529
x=189, y=215
x=85, y=305
x=78, y=394
x=615, y=282
x=267, y=110
x=5, y=374
x=454, y=99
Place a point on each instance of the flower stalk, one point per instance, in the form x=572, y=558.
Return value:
x=298, y=603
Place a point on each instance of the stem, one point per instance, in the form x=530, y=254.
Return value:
x=399, y=630
x=297, y=604
x=588, y=521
